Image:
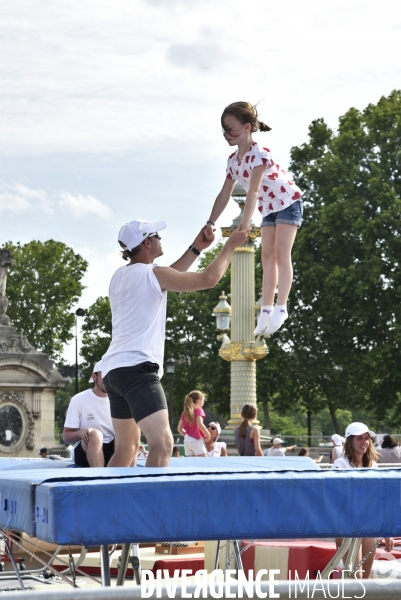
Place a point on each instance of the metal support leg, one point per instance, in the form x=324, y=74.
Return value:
x=136, y=563
x=7, y=545
x=216, y=562
x=238, y=559
x=352, y=554
x=105, y=565
x=122, y=569
x=343, y=549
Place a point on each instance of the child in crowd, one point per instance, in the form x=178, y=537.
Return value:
x=191, y=424
x=247, y=436
x=279, y=201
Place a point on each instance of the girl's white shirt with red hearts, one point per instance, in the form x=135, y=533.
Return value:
x=277, y=190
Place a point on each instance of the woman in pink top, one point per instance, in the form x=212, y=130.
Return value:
x=191, y=424
x=279, y=202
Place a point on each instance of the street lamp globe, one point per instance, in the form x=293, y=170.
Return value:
x=170, y=366
x=222, y=312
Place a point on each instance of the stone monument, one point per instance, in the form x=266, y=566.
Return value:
x=28, y=382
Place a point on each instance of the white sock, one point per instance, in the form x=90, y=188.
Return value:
x=266, y=313
x=280, y=314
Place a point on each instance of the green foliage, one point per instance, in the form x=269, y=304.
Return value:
x=345, y=305
x=63, y=398
x=42, y=287
x=191, y=341
x=96, y=336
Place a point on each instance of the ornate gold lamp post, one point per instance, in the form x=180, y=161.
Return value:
x=242, y=350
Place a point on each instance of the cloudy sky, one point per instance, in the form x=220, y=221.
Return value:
x=110, y=109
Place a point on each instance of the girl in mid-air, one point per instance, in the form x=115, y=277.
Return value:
x=191, y=424
x=279, y=201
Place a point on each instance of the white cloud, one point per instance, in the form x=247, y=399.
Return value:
x=18, y=198
x=79, y=205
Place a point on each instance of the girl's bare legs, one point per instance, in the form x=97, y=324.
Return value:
x=285, y=237
x=269, y=285
x=283, y=243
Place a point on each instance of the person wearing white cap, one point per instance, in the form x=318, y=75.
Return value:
x=276, y=448
x=88, y=424
x=337, y=451
x=359, y=452
x=213, y=447
x=133, y=364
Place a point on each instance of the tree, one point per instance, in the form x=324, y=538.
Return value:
x=42, y=287
x=96, y=336
x=346, y=298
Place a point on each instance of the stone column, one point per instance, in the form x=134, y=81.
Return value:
x=6, y=261
x=242, y=351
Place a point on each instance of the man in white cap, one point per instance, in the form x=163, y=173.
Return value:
x=88, y=424
x=277, y=449
x=338, y=443
x=133, y=363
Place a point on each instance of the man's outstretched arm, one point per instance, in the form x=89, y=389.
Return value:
x=176, y=281
x=189, y=256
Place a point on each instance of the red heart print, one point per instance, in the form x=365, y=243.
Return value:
x=260, y=198
x=229, y=176
x=254, y=144
x=236, y=172
x=253, y=158
x=265, y=188
x=273, y=176
x=296, y=196
x=282, y=202
x=260, y=208
x=247, y=159
x=283, y=189
x=270, y=206
x=246, y=174
x=272, y=195
x=264, y=160
x=267, y=149
x=290, y=182
x=231, y=155
x=278, y=167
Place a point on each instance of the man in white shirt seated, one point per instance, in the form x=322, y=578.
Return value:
x=88, y=424
x=276, y=449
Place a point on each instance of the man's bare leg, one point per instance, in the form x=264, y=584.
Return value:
x=126, y=443
x=94, y=448
x=156, y=429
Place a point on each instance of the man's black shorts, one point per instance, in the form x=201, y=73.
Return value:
x=81, y=459
x=135, y=392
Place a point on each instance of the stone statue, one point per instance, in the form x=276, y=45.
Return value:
x=6, y=261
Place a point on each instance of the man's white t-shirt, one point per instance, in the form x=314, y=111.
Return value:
x=276, y=452
x=86, y=410
x=138, y=307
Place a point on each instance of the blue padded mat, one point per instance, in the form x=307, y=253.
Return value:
x=191, y=504
x=16, y=464
x=272, y=463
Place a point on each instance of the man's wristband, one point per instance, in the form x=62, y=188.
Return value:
x=210, y=223
x=194, y=250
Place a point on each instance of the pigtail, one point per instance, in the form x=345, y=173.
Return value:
x=263, y=126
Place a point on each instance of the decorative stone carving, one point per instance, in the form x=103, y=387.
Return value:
x=6, y=261
x=16, y=399
x=15, y=344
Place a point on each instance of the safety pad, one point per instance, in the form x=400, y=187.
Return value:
x=185, y=503
x=16, y=464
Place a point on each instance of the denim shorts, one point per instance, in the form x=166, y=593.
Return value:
x=292, y=215
x=135, y=392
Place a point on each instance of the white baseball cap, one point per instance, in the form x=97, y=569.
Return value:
x=358, y=429
x=135, y=232
x=337, y=439
x=213, y=424
x=96, y=369
x=277, y=441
